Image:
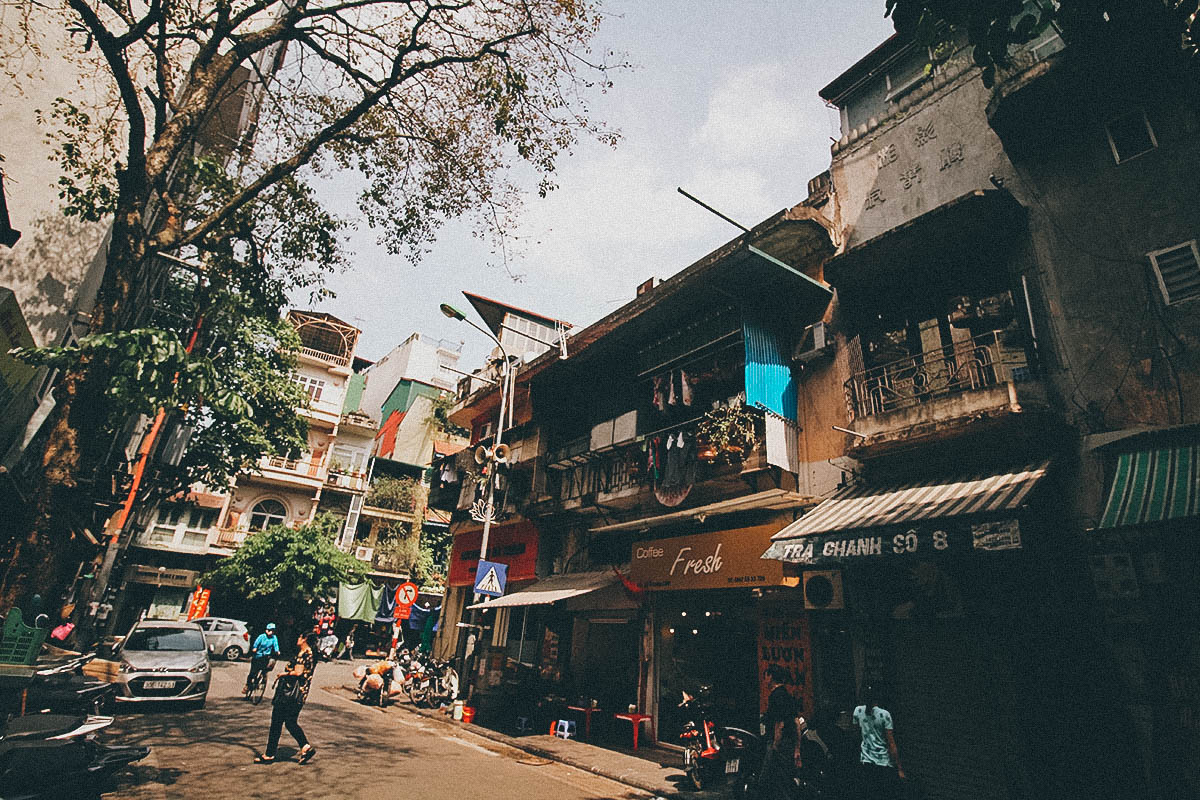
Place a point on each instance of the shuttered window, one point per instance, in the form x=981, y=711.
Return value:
x=1178, y=271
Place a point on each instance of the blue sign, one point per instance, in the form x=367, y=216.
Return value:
x=491, y=578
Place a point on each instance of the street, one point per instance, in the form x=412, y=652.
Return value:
x=363, y=752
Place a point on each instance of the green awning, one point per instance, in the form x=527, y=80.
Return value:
x=1154, y=486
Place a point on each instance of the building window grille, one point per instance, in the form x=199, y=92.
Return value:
x=1130, y=136
x=267, y=513
x=1178, y=271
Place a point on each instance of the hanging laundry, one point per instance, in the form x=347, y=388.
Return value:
x=783, y=442
x=449, y=473
x=358, y=601
x=659, y=393
x=685, y=388
x=672, y=397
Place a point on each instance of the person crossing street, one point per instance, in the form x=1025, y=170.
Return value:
x=265, y=646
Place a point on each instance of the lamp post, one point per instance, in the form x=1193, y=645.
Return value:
x=489, y=503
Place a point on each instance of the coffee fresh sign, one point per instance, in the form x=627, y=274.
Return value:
x=718, y=560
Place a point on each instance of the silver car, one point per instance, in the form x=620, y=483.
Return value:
x=229, y=637
x=163, y=660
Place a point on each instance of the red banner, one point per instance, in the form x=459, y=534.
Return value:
x=199, y=606
x=514, y=544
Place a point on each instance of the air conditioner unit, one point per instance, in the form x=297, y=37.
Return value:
x=823, y=590
x=816, y=343
x=364, y=553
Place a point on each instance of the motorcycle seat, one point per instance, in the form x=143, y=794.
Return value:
x=41, y=726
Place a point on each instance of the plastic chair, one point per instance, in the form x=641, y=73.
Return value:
x=566, y=729
x=20, y=644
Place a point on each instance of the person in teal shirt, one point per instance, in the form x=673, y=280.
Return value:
x=264, y=647
x=879, y=755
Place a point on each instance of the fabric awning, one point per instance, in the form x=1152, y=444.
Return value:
x=555, y=588
x=866, y=506
x=1154, y=486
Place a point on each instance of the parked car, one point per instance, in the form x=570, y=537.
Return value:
x=162, y=660
x=229, y=637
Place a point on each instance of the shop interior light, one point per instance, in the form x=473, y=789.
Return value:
x=695, y=632
x=670, y=630
x=708, y=613
x=683, y=613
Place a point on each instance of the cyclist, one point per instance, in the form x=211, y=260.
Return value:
x=265, y=646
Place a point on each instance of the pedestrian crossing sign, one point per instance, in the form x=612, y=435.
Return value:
x=490, y=578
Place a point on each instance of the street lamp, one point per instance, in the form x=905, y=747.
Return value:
x=489, y=503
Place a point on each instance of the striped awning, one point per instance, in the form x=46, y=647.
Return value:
x=1154, y=486
x=866, y=506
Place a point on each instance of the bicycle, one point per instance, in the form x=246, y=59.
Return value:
x=258, y=684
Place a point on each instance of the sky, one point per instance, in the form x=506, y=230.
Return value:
x=722, y=101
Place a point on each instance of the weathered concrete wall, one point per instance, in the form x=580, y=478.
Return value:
x=1115, y=354
x=48, y=266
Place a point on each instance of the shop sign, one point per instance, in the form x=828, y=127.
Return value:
x=926, y=540
x=720, y=560
x=514, y=544
x=198, y=607
x=158, y=576
x=783, y=640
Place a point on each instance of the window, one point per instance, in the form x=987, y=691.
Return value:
x=311, y=386
x=202, y=519
x=267, y=513
x=1130, y=135
x=169, y=514
x=348, y=460
x=1178, y=272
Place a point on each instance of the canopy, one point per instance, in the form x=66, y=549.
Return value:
x=867, y=506
x=555, y=588
x=1154, y=486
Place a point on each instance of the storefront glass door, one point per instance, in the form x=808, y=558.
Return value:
x=706, y=639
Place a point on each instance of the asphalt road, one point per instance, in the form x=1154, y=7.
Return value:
x=362, y=752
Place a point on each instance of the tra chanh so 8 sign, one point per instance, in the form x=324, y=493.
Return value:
x=870, y=543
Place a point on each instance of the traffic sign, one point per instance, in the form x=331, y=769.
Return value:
x=490, y=578
x=406, y=595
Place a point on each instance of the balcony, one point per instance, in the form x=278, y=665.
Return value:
x=229, y=538
x=353, y=482
x=619, y=478
x=283, y=471
x=337, y=363
x=923, y=396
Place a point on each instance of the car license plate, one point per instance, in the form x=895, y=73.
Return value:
x=159, y=685
x=731, y=766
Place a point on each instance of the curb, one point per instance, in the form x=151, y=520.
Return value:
x=657, y=791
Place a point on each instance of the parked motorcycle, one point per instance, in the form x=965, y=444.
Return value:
x=59, y=755
x=327, y=647
x=432, y=683
x=715, y=754
x=64, y=689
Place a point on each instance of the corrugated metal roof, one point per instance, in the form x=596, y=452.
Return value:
x=866, y=506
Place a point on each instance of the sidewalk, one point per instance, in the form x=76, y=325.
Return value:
x=633, y=771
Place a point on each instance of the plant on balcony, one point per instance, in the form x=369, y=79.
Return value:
x=395, y=494
x=439, y=416
x=725, y=433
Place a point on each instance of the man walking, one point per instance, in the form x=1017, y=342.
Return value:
x=781, y=721
x=265, y=646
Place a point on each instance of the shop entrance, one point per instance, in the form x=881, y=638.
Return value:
x=706, y=638
x=607, y=667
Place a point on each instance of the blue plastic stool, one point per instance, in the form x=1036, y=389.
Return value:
x=523, y=725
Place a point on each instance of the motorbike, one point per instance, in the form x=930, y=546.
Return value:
x=59, y=755
x=812, y=781
x=64, y=689
x=431, y=684
x=712, y=754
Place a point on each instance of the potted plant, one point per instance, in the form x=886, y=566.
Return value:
x=725, y=432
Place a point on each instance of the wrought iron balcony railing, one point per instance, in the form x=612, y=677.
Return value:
x=987, y=360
